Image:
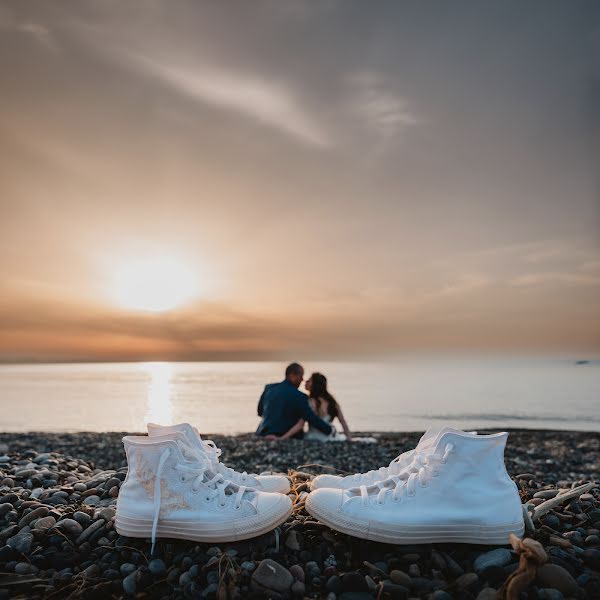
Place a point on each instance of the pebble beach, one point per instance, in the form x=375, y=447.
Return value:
x=57, y=538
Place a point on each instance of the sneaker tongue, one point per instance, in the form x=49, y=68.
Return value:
x=432, y=436
x=190, y=434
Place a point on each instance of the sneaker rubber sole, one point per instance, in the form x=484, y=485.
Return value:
x=390, y=533
x=232, y=530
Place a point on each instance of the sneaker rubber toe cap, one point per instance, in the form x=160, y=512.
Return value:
x=327, y=481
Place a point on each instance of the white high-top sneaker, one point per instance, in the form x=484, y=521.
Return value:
x=399, y=464
x=263, y=483
x=169, y=492
x=460, y=493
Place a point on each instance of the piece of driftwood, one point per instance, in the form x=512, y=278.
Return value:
x=547, y=506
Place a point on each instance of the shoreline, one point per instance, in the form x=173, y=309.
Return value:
x=57, y=538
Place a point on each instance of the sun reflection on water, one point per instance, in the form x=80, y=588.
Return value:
x=159, y=408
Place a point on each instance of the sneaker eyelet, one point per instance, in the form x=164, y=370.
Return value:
x=182, y=479
x=237, y=507
x=207, y=498
x=222, y=505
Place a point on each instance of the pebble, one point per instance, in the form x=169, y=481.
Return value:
x=487, y=593
x=555, y=576
x=37, y=513
x=45, y=523
x=591, y=557
x=495, y=558
x=130, y=584
x=296, y=570
x=354, y=582
x=82, y=517
x=272, y=576
x=157, y=567
x=21, y=542
x=467, y=581
x=298, y=589
x=69, y=526
x=24, y=568
x=400, y=578
x=127, y=569
x=546, y=494
x=549, y=594
x=107, y=513
x=393, y=591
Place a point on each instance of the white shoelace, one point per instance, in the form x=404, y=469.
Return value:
x=198, y=471
x=213, y=452
x=378, y=474
x=423, y=467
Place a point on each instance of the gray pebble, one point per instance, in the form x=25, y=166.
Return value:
x=127, y=569
x=272, y=576
x=158, y=567
x=21, y=542
x=69, y=526
x=130, y=584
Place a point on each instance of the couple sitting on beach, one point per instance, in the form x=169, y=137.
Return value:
x=284, y=409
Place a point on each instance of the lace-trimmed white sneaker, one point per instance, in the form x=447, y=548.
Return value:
x=170, y=492
x=457, y=490
x=399, y=464
x=263, y=483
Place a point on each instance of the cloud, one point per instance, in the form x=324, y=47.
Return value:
x=39, y=32
x=465, y=284
x=383, y=111
x=535, y=279
x=264, y=101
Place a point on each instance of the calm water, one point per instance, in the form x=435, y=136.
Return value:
x=409, y=395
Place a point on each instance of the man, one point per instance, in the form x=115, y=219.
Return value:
x=283, y=404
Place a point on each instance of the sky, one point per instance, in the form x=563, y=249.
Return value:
x=331, y=179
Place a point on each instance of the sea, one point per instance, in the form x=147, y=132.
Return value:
x=404, y=394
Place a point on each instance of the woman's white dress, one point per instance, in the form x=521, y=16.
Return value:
x=315, y=434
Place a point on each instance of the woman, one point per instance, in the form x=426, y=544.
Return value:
x=325, y=405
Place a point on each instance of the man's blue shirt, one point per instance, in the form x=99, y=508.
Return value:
x=281, y=405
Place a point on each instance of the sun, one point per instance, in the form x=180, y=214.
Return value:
x=154, y=284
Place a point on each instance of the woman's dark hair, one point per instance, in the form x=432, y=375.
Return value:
x=319, y=391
